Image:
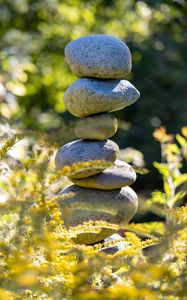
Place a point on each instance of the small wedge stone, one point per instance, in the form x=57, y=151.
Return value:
x=88, y=96
x=99, y=56
x=86, y=151
x=120, y=245
x=120, y=174
x=116, y=207
x=96, y=127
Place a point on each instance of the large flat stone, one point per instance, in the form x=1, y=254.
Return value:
x=99, y=56
x=96, y=127
x=88, y=96
x=116, y=207
x=84, y=151
x=120, y=174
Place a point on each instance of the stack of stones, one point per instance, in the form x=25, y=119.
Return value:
x=103, y=194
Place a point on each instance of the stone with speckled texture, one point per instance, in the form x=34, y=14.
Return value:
x=85, y=150
x=89, y=96
x=99, y=56
x=96, y=127
x=118, y=175
x=116, y=207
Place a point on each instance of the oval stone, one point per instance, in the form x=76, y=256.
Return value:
x=80, y=151
x=115, y=206
x=88, y=96
x=118, y=175
x=99, y=56
x=96, y=127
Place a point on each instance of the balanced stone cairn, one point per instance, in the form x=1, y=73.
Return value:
x=99, y=194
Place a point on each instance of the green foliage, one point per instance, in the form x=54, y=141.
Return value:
x=38, y=258
x=34, y=74
x=173, y=155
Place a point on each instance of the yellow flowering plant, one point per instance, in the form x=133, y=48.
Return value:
x=38, y=256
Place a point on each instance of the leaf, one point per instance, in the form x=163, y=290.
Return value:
x=184, y=131
x=140, y=170
x=180, y=179
x=160, y=135
x=162, y=168
x=181, y=140
x=146, y=229
x=167, y=189
x=150, y=242
x=180, y=195
x=158, y=197
x=82, y=166
x=173, y=148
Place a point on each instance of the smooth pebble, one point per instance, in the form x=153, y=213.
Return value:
x=115, y=206
x=120, y=174
x=89, y=96
x=96, y=127
x=99, y=56
x=86, y=151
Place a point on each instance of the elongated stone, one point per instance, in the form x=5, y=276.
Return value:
x=96, y=127
x=88, y=96
x=99, y=56
x=115, y=206
x=86, y=151
x=120, y=174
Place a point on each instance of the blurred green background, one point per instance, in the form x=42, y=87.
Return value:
x=34, y=74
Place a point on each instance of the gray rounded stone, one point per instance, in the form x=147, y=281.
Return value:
x=116, y=207
x=99, y=56
x=120, y=245
x=118, y=175
x=96, y=127
x=84, y=151
x=89, y=96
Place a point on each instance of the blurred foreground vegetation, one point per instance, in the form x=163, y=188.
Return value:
x=38, y=258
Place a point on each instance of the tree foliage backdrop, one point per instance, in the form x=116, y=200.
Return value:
x=34, y=74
